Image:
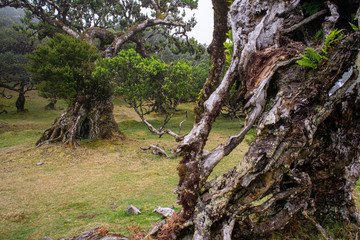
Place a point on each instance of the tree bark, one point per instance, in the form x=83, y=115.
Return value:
x=306, y=153
x=84, y=120
x=217, y=51
x=20, y=102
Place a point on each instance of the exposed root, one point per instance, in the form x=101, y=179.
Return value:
x=318, y=226
x=78, y=123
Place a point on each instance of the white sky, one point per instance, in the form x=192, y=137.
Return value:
x=204, y=16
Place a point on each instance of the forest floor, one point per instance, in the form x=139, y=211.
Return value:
x=59, y=192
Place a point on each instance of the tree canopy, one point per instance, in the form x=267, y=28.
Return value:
x=63, y=69
x=148, y=84
x=112, y=23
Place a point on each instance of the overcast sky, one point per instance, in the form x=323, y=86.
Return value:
x=205, y=21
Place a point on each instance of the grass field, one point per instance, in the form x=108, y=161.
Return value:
x=76, y=190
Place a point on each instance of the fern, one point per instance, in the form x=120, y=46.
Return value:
x=333, y=37
x=311, y=58
x=307, y=63
x=354, y=27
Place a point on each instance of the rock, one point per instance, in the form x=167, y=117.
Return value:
x=47, y=238
x=132, y=210
x=165, y=212
x=40, y=163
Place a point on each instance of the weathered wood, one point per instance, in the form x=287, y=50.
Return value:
x=306, y=153
x=83, y=121
x=93, y=234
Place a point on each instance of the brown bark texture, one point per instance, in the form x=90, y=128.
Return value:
x=305, y=159
x=84, y=120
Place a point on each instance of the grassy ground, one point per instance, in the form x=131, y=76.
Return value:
x=75, y=190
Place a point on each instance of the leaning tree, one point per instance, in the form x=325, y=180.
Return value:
x=296, y=72
x=14, y=46
x=109, y=25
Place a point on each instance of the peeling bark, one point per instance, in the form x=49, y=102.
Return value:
x=306, y=153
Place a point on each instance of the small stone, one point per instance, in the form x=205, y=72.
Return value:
x=132, y=210
x=165, y=212
x=40, y=163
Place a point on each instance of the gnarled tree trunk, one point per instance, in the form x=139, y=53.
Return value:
x=84, y=120
x=306, y=156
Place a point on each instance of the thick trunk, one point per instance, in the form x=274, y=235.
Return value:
x=217, y=52
x=20, y=102
x=83, y=121
x=305, y=158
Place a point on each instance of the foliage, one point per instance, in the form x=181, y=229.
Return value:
x=14, y=45
x=148, y=83
x=115, y=18
x=312, y=7
x=63, y=68
x=333, y=38
x=312, y=58
x=354, y=27
x=229, y=45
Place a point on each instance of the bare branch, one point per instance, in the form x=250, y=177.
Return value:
x=183, y=122
x=156, y=150
x=4, y=95
x=119, y=41
x=305, y=21
x=157, y=131
x=318, y=226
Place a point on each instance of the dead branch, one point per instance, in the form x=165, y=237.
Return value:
x=183, y=122
x=159, y=132
x=156, y=150
x=95, y=233
x=4, y=95
x=305, y=21
x=318, y=226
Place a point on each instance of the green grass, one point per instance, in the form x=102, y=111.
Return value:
x=100, y=177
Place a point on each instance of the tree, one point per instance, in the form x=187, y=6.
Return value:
x=109, y=25
x=14, y=47
x=65, y=65
x=305, y=159
x=148, y=84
